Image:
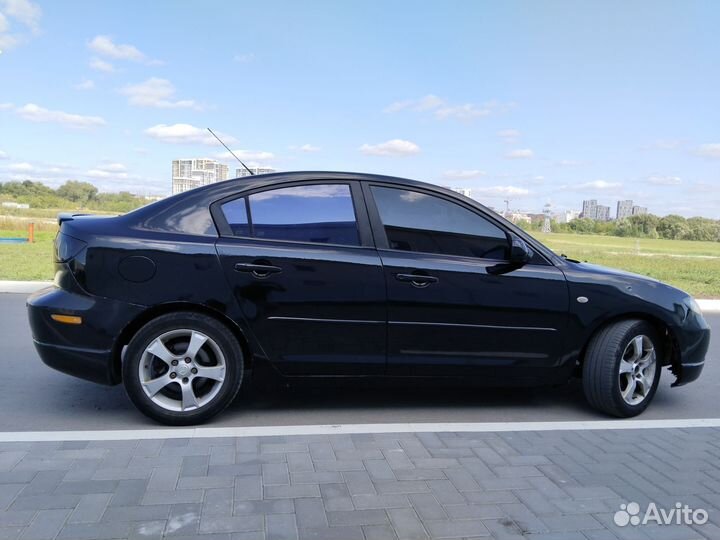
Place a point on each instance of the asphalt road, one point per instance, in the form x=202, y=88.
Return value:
x=34, y=397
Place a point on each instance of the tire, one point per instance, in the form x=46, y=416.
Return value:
x=615, y=348
x=183, y=368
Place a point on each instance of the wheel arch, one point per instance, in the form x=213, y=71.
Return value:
x=670, y=349
x=174, y=307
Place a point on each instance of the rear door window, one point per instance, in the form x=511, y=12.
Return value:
x=317, y=213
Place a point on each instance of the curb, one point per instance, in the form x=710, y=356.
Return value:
x=27, y=287
x=709, y=306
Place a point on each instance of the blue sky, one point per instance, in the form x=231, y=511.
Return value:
x=532, y=101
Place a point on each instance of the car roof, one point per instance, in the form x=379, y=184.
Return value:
x=259, y=180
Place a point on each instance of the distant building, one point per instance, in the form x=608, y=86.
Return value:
x=240, y=173
x=518, y=217
x=602, y=213
x=639, y=210
x=624, y=209
x=189, y=174
x=463, y=191
x=567, y=216
x=589, y=209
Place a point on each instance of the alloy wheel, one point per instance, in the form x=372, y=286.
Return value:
x=637, y=370
x=182, y=370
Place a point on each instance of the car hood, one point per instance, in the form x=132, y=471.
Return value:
x=595, y=273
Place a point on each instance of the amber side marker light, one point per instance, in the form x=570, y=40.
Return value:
x=67, y=319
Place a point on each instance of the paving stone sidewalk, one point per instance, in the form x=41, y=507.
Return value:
x=539, y=485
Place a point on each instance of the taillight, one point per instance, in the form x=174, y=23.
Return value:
x=67, y=247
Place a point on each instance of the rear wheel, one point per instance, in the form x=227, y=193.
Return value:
x=183, y=368
x=621, y=371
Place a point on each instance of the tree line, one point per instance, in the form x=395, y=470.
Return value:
x=72, y=195
x=671, y=227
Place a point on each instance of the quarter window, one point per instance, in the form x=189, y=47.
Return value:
x=415, y=221
x=236, y=216
x=318, y=213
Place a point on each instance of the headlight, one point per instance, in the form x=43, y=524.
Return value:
x=692, y=305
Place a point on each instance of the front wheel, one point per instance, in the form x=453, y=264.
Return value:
x=182, y=368
x=621, y=370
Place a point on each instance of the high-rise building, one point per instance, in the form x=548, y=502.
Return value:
x=639, y=210
x=589, y=209
x=189, y=174
x=241, y=173
x=624, y=209
x=602, y=212
x=462, y=191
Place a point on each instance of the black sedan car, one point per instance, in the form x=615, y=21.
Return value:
x=319, y=274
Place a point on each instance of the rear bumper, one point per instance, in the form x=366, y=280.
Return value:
x=89, y=364
x=86, y=350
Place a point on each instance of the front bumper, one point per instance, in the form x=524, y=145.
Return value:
x=693, y=341
x=86, y=350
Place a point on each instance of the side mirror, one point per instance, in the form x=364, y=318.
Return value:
x=520, y=253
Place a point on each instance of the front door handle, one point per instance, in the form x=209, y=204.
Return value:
x=417, y=280
x=258, y=270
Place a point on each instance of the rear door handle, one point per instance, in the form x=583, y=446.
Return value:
x=417, y=280
x=257, y=270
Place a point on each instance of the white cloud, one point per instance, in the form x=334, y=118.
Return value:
x=185, y=134
x=659, y=180
x=599, y=185
x=112, y=167
x=3, y=155
x=711, y=150
x=423, y=104
x=394, y=147
x=22, y=167
x=520, y=153
x=442, y=110
x=306, y=148
x=22, y=11
x=101, y=65
x=99, y=173
x=664, y=144
x=85, y=84
x=509, y=135
x=246, y=155
x=6, y=106
x=35, y=113
x=105, y=46
x=244, y=58
x=569, y=162
x=156, y=92
x=464, y=174
x=468, y=111
x=501, y=191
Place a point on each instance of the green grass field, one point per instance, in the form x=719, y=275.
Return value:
x=27, y=261
x=692, y=266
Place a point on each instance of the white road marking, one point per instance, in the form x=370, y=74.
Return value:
x=265, y=431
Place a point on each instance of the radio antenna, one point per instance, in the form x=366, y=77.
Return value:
x=233, y=153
